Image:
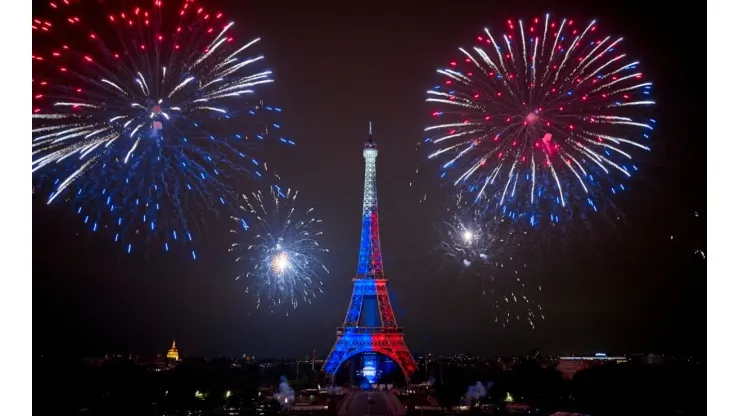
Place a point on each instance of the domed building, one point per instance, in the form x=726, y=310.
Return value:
x=172, y=353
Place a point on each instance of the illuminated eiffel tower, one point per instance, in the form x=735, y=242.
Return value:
x=370, y=325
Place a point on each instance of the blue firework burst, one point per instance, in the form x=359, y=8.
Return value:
x=146, y=119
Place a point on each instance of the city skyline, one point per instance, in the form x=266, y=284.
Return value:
x=632, y=287
x=174, y=353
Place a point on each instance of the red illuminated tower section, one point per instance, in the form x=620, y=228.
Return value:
x=370, y=325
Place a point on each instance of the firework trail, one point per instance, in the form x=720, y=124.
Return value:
x=487, y=250
x=144, y=118
x=283, y=248
x=542, y=120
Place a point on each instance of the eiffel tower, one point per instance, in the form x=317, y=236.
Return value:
x=370, y=325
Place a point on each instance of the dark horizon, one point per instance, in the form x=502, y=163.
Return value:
x=636, y=287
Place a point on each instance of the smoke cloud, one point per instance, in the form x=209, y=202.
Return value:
x=477, y=392
x=285, y=394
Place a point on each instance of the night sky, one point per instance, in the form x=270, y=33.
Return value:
x=629, y=288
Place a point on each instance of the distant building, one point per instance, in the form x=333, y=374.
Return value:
x=571, y=365
x=95, y=362
x=655, y=359
x=167, y=362
x=172, y=353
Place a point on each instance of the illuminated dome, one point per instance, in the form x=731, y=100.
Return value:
x=172, y=352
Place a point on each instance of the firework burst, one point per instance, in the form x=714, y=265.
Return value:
x=283, y=249
x=541, y=121
x=487, y=251
x=144, y=118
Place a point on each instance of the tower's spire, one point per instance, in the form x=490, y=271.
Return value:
x=370, y=143
x=371, y=264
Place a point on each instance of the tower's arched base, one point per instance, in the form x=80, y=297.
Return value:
x=367, y=370
x=386, y=341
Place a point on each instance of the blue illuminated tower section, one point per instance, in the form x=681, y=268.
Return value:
x=370, y=325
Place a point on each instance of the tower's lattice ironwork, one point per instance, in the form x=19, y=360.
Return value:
x=370, y=325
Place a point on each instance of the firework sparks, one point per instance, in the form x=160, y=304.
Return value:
x=486, y=250
x=541, y=120
x=283, y=249
x=689, y=236
x=141, y=115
